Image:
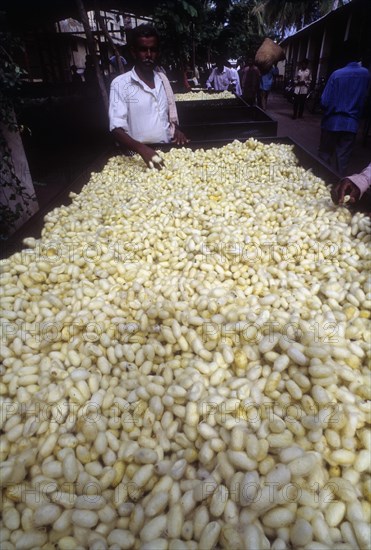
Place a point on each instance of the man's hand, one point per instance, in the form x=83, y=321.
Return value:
x=150, y=157
x=148, y=154
x=179, y=138
x=343, y=188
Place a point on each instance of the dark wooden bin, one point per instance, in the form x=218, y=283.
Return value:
x=207, y=104
x=33, y=227
x=231, y=121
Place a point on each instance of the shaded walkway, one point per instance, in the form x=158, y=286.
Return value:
x=306, y=131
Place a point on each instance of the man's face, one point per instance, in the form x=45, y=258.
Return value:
x=145, y=52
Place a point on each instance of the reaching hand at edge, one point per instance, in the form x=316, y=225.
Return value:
x=179, y=138
x=343, y=188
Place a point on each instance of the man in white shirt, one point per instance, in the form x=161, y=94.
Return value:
x=302, y=83
x=236, y=78
x=142, y=106
x=221, y=77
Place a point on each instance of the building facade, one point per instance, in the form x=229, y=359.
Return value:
x=321, y=42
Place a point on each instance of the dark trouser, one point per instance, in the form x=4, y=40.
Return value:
x=262, y=99
x=340, y=143
x=299, y=101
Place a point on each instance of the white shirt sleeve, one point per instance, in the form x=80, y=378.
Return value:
x=210, y=79
x=118, y=111
x=362, y=180
x=232, y=76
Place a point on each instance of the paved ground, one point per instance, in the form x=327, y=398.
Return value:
x=306, y=131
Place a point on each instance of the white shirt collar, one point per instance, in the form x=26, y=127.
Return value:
x=137, y=79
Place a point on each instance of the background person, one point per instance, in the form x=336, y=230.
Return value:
x=90, y=76
x=76, y=78
x=142, y=106
x=302, y=83
x=221, y=77
x=342, y=100
x=237, y=84
x=114, y=64
x=250, y=82
x=266, y=83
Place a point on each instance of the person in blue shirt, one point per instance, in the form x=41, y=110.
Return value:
x=342, y=100
x=113, y=62
x=266, y=82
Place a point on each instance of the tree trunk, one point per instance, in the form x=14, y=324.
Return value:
x=91, y=47
x=103, y=27
x=17, y=194
x=193, y=49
